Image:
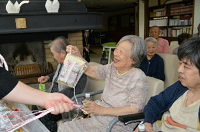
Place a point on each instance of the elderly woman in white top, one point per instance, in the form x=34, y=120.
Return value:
x=125, y=88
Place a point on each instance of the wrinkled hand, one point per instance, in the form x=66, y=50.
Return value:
x=148, y=128
x=92, y=108
x=74, y=50
x=60, y=102
x=43, y=79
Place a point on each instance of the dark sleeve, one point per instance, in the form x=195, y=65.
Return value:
x=7, y=82
x=144, y=65
x=159, y=104
x=91, y=38
x=51, y=77
x=69, y=92
x=160, y=74
x=83, y=36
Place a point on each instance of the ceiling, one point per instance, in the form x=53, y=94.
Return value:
x=108, y=5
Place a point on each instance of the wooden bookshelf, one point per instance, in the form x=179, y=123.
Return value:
x=173, y=18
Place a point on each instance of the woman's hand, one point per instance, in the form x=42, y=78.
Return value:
x=73, y=50
x=148, y=128
x=60, y=102
x=87, y=49
x=92, y=108
x=43, y=79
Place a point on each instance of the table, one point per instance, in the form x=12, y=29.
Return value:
x=109, y=49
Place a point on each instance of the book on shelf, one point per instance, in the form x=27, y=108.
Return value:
x=178, y=9
x=181, y=21
x=163, y=32
x=158, y=13
x=161, y=22
x=172, y=1
x=175, y=32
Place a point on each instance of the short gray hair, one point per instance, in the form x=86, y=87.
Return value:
x=153, y=27
x=138, y=50
x=59, y=44
x=152, y=40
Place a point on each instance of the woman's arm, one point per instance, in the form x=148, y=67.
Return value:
x=90, y=71
x=22, y=93
x=119, y=111
x=93, y=108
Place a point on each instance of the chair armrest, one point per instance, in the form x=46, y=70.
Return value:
x=126, y=119
x=132, y=118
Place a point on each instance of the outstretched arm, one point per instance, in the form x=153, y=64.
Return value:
x=93, y=108
x=22, y=93
x=90, y=71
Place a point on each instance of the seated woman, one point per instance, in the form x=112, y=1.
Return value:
x=176, y=109
x=58, y=49
x=125, y=88
x=182, y=37
x=153, y=64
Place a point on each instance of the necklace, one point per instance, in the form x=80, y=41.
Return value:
x=122, y=73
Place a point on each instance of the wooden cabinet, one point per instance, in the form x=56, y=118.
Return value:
x=124, y=22
x=119, y=26
x=172, y=18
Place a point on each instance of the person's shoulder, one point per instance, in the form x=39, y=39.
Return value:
x=177, y=86
x=162, y=40
x=138, y=71
x=158, y=57
x=165, y=40
x=175, y=51
x=1, y=69
x=145, y=59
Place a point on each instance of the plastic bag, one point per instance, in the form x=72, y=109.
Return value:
x=72, y=70
x=12, y=114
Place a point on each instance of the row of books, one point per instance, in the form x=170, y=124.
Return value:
x=158, y=13
x=181, y=10
x=178, y=22
x=175, y=32
x=163, y=32
x=160, y=22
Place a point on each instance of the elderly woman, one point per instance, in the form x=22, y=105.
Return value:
x=58, y=49
x=153, y=64
x=176, y=109
x=163, y=44
x=125, y=88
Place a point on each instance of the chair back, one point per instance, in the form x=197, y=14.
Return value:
x=171, y=63
x=95, y=84
x=174, y=43
x=155, y=87
x=172, y=46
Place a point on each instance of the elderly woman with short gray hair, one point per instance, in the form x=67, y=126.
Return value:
x=153, y=64
x=125, y=88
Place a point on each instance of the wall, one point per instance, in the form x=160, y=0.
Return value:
x=196, y=17
x=74, y=38
x=141, y=19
